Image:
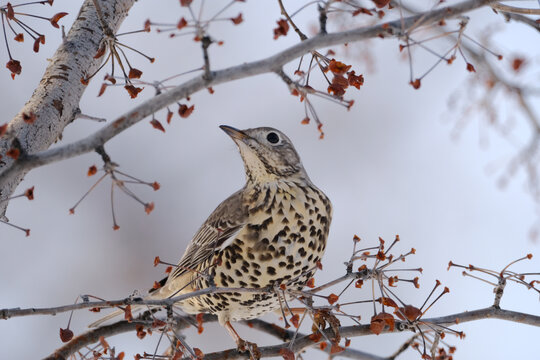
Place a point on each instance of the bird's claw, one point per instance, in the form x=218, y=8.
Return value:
x=254, y=352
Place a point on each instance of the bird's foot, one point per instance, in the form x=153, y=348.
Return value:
x=243, y=346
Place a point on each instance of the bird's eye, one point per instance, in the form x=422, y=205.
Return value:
x=272, y=138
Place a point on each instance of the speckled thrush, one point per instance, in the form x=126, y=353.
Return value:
x=271, y=232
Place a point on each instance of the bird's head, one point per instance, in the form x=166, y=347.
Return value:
x=268, y=154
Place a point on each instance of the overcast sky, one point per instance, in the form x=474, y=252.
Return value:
x=391, y=165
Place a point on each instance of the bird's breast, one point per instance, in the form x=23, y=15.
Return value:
x=282, y=242
x=284, y=238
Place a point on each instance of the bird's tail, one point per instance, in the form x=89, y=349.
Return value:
x=169, y=289
x=162, y=293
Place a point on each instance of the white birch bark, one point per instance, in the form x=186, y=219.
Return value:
x=55, y=101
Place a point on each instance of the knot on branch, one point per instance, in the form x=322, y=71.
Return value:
x=206, y=41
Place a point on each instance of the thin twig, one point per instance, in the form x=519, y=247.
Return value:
x=301, y=342
x=286, y=14
x=270, y=64
x=17, y=312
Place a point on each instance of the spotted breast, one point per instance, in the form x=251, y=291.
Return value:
x=282, y=243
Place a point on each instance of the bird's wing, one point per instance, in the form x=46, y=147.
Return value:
x=217, y=232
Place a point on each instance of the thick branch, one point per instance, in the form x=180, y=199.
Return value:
x=55, y=102
x=182, y=322
x=303, y=341
x=271, y=64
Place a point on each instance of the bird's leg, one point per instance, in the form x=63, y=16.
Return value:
x=241, y=344
x=296, y=310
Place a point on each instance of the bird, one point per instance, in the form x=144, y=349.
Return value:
x=270, y=233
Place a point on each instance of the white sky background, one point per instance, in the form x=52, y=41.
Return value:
x=390, y=166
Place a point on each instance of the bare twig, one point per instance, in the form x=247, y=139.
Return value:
x=270, y=64
x=286, y=14
x=363, y=330
x=515, y=10
x=206, y=41
x=92, y=336
x=301, y=342
x=17, y=312
x=522, y=19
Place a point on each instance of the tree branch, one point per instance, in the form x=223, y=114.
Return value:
x=523, y=19
x=120, y=327
x=92, y=336
x=270, y=64
x=302, y=341
x=515, y=10
x=17, y=312
x=55, y=102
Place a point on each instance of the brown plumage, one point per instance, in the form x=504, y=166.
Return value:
x=272, y=231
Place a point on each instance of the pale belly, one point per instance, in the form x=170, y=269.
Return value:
x=281, y=246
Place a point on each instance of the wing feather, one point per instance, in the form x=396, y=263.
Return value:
x=222, y=225
x=225, y=222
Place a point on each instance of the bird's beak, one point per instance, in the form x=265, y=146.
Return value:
x=235, y=134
